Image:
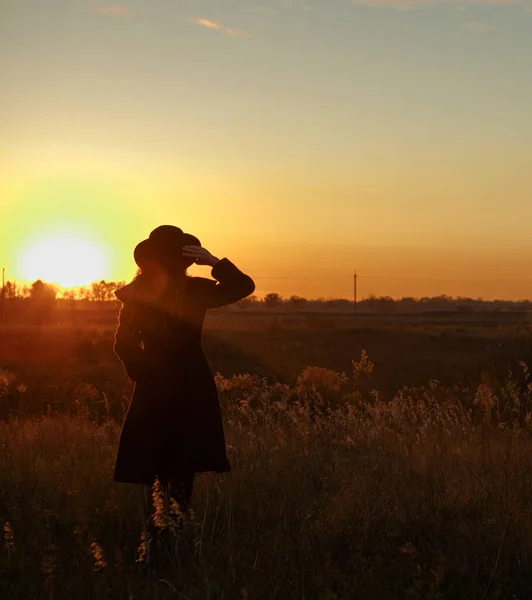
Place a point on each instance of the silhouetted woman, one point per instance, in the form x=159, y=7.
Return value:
x=173, y=428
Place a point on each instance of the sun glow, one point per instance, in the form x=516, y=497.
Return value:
x=67, y=260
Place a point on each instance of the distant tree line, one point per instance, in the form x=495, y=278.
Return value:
x=41, y=293
x=102, y=291
x=385, y=304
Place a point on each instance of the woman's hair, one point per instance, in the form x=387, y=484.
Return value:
x=173, y=298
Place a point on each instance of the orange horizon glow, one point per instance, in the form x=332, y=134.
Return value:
x=305, y=254
x=330, y=137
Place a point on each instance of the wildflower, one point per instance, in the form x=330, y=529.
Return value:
x=142, y=548
x=161, y=519
x=485, y=399
x=321, y=380
x=97, y=555
x=9, y=538
x=363, y=367
x=6, y=379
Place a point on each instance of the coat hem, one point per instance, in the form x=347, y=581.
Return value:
x=150, y=480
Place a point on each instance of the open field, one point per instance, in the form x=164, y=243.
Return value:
x=406, y=349
x=404, y=475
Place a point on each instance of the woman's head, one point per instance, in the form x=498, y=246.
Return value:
x=164, y=250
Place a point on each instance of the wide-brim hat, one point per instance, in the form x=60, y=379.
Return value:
x=165, y=247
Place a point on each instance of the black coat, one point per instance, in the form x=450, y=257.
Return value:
x=174, y=423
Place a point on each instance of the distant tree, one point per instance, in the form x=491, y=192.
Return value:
x=371, y=302
x=408, y=303
x=68, y=299
x=386, y=303
x=297, y=302
x=272, y=300
x=97, y=291
x=110, y=289
x=339, y=304
x=12, y=290
x=69, y=295
x=103, y=291
x=246, y=302
x=42, y=292
x=85, y=293
x=42, y=301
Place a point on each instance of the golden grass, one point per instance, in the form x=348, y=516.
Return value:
x=335, y=493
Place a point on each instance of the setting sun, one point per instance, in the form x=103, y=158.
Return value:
x=66, y=260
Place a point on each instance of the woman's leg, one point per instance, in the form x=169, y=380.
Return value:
x=180, y=489
x=180, y=493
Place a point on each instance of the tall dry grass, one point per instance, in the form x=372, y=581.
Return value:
x=336, y=493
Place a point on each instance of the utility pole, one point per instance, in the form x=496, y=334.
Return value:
x=355, y=292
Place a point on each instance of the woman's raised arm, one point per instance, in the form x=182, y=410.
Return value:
x=231, y=285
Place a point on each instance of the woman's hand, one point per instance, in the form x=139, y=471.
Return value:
x=201, y=256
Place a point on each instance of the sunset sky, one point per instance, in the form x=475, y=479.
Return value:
x=301, y=139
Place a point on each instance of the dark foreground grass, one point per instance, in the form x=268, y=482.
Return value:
x=333, y=495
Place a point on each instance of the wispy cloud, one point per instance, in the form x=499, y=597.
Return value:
x=207, y=23
x=113, y=10
x=479, y=27
x=216, y=26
